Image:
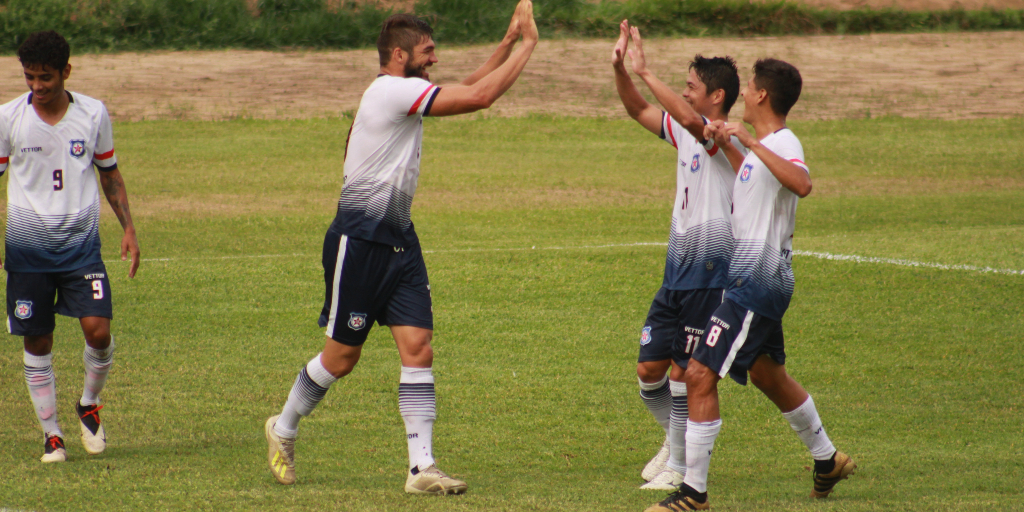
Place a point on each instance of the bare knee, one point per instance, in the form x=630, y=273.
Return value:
x=39, y=345
x=652, y=371
x=699, y=378
x=96, y=331
x=338, y=359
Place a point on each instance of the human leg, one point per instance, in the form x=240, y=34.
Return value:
x=797, y=406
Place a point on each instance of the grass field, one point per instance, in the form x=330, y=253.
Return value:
x=539, y=299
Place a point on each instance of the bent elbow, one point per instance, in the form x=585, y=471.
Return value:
x=805, y=190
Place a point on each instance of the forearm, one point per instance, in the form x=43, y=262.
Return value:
x=628, y=93
x=496, y=83
x=500, y=55
x=790, y=175
x=675, y=105
x=117, y=196
x=733, y=154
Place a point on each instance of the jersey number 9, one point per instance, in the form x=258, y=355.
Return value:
x=58, y=179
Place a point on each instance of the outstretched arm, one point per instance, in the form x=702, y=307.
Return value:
x=461, y=99
x=674, y=104
x=117, y=196
x=500, y=55
x=790, y=175
x=637, y=107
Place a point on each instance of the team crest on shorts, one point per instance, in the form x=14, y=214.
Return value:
x=23, y=309
x=645, y=336
x=356, y=321
x=745, y=172
x=695, y=164
x=77, y=148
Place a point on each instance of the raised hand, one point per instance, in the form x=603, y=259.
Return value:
x=515, y=27
x=528, y=25
x=619, y=52
x=637, y=55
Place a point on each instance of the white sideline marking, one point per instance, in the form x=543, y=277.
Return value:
x=820, y=255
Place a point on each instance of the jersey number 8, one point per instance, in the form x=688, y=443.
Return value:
x=713, y=334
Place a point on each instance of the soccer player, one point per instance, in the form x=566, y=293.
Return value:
x=700, y=239
x=373, y=265
x=51, y=139
x=744, y=336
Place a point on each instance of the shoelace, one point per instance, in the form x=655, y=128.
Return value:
x=94, y=414
x=55, y=442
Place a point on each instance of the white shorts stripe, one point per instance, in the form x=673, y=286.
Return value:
x=342, y=245
x=741, y=338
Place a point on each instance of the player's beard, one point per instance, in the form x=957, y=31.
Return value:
x=417, y=71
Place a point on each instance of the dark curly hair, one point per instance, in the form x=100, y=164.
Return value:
x=46, y=48
x=782, y=82
x=718, y=73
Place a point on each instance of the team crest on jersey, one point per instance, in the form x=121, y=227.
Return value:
x=745, y=172
x=645, y=336
x=77, y=148
x=23, y=309
x=695, y=164
x=356, y=321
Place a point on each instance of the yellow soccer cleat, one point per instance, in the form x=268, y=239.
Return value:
x=823, y=484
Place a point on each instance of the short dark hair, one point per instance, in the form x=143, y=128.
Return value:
x=718, y=73
x=45, y=48
x=782, y=82
x=403, y=31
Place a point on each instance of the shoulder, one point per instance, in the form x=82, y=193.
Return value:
x=14, y=105
x=88, y=104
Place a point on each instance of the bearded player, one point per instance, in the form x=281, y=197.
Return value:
x=373, y=265
x=50, y=140
x=700, y=239
x=744, y=335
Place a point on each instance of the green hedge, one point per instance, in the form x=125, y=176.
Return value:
x=115, y=25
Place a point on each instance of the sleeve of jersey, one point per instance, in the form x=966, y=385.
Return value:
x=793, y=151
x=709, y=145
x=103, y=152
x=5, y=147
x=670, y=130
x=412, y=96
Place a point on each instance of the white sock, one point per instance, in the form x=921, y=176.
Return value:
x=418, y=405
x=677, y=427
x=700, y=442
x=97, y=366
x=43, y=390
x=658, y=399
x=310, y=387
x=807, y=424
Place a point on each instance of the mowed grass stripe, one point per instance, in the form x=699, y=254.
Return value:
x=913, y=369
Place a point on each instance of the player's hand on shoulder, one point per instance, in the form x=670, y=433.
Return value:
x=619, y=52
x=527, y=23
x=637, y=54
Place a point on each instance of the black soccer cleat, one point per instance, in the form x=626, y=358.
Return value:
x=684, y=499
x=53, y=450
x=94, y=439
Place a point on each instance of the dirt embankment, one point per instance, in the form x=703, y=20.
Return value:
x=949, y=76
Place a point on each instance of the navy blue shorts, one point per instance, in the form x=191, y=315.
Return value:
x=676, y=322
x=34, y=298
x=735, y=337
x=369, y=282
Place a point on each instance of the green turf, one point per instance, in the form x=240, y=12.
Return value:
x=916, y=372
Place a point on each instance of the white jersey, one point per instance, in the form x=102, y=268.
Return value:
x=382, y=162
x=700, y=241
x=761, y=276
x=53, y=202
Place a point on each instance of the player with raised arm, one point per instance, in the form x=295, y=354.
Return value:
x=50, y=141
x=373, y=265
x=700, y=238
x=745, y=333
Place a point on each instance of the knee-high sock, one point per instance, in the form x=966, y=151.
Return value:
x=677, y=427
x=310, y=387
x=807, y=424
x=658, y=399
x=97, y=366
x=700, y=442
x=43, y=389
x=418, y=405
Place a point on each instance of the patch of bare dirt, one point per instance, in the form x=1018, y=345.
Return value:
x=947, y=76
